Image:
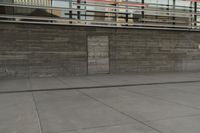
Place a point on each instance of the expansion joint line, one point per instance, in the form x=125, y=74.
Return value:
x=36, y=109
x=37, y=113
x=125, y=114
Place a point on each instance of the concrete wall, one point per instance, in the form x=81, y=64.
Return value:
x=28, y=50
x=154, y=50
x=35, y=50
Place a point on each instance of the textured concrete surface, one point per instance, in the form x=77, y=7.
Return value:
x=29, y=50
x=14, y=84
x=45, y=83
x=139, y=106
x=92, y=81
x=173, y=94
x=18, y=114
x=69, y=110
x=155, y=108
x=128, y=128
x=98, y=54
x=186, y=124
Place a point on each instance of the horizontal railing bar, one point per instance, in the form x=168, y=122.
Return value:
x=74, y=9
x=51, y=19
x=138, y=9
x=56, y=8
x=148, y=12
x=99, y=22
x=70, y=9
x=40, y=7
x=163, y=21
x=106, y=26
x=83, y=10
x=167, y=5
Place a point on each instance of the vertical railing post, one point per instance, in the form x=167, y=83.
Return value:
x=195, y=16
x=51, y=5
x=116, y=14
x=70, y=12
x=191, y=18
x=168, y=7
x=126, y=13
x=78, y=13
x=174, y=7
x=143, y=8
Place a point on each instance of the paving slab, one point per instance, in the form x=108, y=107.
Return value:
x=106, y=80
x=120, y=79
x=14, y=85
x=171, y=94
x=104, y=110
x=18, y=114
x=94, y=80
x=178, y=125
x=124, y=79
x=159, y=77
x=173, y=77
x=129, y=128
x=46, y=83
x=141, y=107
x=78, y=81
x=67, y=110
x=188, y=87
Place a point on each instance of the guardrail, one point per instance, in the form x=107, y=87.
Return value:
x=111, y=16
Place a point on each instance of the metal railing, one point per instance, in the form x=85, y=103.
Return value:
x=100, y=14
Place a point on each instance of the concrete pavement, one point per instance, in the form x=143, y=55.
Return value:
x=95, y=81
x=151, y=103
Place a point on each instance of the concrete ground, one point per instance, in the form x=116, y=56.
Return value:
x=126, y=103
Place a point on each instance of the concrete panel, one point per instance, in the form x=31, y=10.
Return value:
x=98, y=60
x=68, y=110
x=139, y=106
x=178, y=125
x=18, y=114
x=130, y=128
x=170, y=93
